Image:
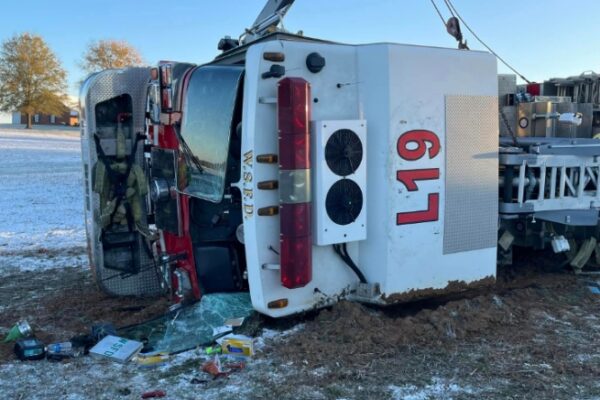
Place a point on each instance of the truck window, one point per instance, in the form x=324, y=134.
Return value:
x=110, y=113
x=207, y=119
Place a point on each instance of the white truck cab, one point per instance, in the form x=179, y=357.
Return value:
x=402, y=177
x=305, y=172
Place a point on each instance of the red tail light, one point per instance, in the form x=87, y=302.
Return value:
x=294, y=152
x=299, y=215
x=293, y=108
x=297, y=253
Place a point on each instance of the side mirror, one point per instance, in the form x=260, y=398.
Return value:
x=153, y=103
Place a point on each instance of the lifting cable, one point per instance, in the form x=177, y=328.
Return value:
x=438, y=12
x=454, y=12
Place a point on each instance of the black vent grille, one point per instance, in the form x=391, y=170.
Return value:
x=344, y=202
x=343, y=152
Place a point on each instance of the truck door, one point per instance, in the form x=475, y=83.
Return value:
x=209, y=145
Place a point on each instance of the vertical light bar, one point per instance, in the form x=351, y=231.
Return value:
x=293, y=111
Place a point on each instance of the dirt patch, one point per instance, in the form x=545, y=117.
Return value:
x=352, y=333
x=533, y=333
x=534, y=284
x=453, y=287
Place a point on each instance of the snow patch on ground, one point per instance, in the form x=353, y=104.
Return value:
x=91, y=378
x=41, y=206
x=437, y=389
x=271, y=334
x=28, y=263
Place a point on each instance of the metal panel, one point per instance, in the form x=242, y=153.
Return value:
x=507, y=84
x=508, y=127
x=539, y=119
x=471, y=206
x=97, y=88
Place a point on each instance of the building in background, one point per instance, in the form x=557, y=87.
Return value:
x=69, y=118
x=6, y=118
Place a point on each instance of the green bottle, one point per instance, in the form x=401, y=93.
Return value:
x=20, y=330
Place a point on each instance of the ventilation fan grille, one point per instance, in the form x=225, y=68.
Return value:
x=344, y=202
x=343, y=152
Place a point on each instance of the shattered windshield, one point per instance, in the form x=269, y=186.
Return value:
x=208, y=111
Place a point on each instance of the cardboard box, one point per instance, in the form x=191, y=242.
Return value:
x=116, y=348
x=237, y=345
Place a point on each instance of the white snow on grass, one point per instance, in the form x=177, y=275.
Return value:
x=271, y=334
x=41, y=198
x=27, y=264
x=437, y=389
x=96, y=378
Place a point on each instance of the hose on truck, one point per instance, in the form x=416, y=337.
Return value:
x=342, y=251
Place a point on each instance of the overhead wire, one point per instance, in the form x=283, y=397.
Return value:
x=455, y=12
x=449, y=9
x=438, y=12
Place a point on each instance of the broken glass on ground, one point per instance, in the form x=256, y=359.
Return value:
x=199, y=324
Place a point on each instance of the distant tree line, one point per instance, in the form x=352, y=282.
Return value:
x=33, y=80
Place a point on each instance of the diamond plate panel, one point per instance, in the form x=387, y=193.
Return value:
x=471, y=179
x=97, y=88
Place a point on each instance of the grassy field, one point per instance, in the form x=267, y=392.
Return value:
x=534, y=335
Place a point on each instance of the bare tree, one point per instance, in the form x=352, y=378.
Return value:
x=104, y=54
x=32, y=79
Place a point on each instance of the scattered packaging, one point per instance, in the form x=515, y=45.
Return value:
x=60, y=347
x=29, y=349
x=237, y=345
x=21, y=329
x=234, y=322
x=153, y=394
x=151, y=360
x=116, y=348
x=213, y=367
x=216, y=369
x=227, y=327
x=235, y=367
x=60, y=351
x=221, y=330
x=213, y=350
x=594, y=289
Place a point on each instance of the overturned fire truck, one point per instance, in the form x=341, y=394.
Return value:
x=306, y=171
